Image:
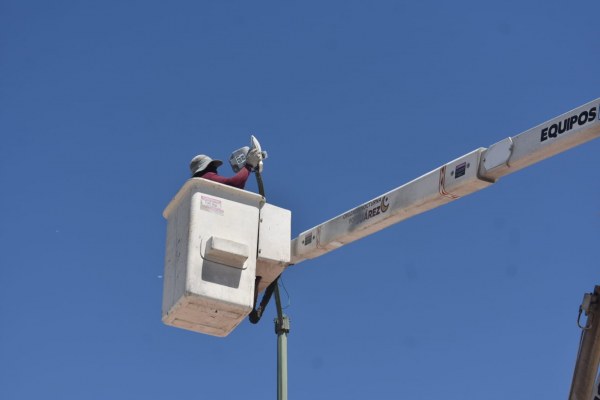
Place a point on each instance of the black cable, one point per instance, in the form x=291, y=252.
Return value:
x=289, y=302
x=256, y=313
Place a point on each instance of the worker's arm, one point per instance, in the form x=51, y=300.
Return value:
x=238, y=180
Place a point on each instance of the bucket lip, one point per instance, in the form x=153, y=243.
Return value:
x=212, y=188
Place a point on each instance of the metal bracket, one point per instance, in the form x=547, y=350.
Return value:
x=588, y=299
x=498, y=154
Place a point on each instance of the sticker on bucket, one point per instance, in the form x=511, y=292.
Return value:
x=211, y=205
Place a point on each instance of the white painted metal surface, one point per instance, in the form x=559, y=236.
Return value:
x=210, y=262
x=275, y=233
x=226, y=252
x=451, y=181
x=440, y=186
x=545, y=140
x=214, y=253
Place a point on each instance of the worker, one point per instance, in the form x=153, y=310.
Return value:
x=203, y=166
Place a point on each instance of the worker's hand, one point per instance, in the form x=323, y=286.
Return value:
x=253, y=159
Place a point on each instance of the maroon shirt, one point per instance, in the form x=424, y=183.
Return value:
x=238, y=180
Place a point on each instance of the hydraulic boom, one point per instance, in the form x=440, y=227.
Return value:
x=465, y=175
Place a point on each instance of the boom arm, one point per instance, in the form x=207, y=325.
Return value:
x=465, y=175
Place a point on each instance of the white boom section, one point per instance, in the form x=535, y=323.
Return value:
x=465, y=175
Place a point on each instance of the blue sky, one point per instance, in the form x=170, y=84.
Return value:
x=103, y=104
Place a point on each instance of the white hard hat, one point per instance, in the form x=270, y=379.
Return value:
x=201, y=162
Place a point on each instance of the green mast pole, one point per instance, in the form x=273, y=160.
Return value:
x=282, y=328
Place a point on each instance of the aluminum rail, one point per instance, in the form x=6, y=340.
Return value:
x=460, y=177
